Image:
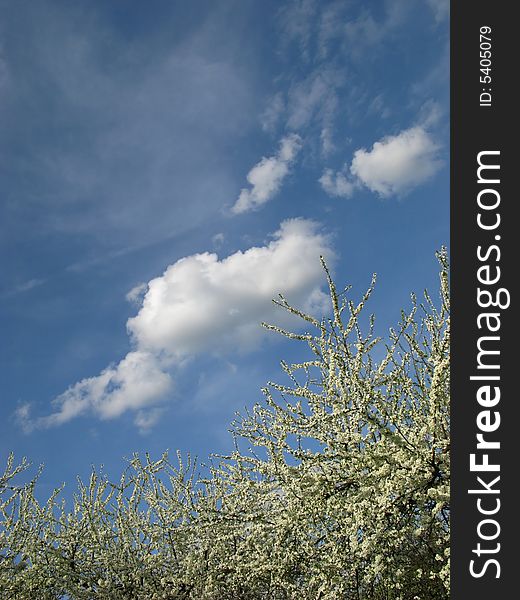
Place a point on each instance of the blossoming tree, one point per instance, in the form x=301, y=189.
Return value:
x=338, y=486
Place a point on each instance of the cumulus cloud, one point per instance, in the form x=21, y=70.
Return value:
x=392, y=167
x=199, y=304
x=202, y=303
x=396, y=164
x=266, y=177
x=137, y=382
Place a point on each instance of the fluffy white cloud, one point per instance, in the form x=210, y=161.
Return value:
x=392, y=167
x=267, y=176
x=336, y=184
x=136, y=383
x=396, y=164
x=200, y=304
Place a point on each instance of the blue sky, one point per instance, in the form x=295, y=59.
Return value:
x=166, y=170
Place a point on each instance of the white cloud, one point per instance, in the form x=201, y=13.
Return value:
x=396, y=164
x=200, y=304
x=266, y=177
x=393, y=166
x=137, y=382
x=336, y=184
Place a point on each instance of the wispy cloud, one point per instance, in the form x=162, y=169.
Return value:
x=147, y=122
x=218, y=239
x=266, y=176
x=327, y=142
x=145, y=420
x=136, y=382
x=365, y=31
x=440, y=8
x=296, y=20
x=337, y=184
x=22, y=287
x=273, y=112
x=201, y=304
x=136, y=294
x=323, y=45
x=313, y=98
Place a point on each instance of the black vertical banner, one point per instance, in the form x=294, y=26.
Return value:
x=485, y=426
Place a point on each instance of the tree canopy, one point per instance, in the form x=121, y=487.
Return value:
x=337, y=488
